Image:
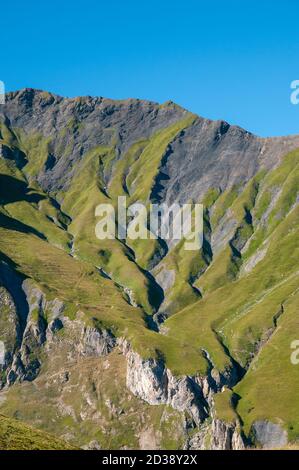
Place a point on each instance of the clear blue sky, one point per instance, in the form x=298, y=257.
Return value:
x=228, y=59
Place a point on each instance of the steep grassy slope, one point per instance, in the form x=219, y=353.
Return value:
x=19, y=436
x=251, y=312
x=81, y=288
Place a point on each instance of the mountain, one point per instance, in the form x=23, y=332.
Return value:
x=140, y=343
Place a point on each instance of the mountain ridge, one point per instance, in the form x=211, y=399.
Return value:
x=98, y=98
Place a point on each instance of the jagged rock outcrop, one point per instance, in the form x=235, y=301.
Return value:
x=218, y=435
x=80, y=339
x=151, y=381
x=10, y=330
x=24, y=345
x=225, y=436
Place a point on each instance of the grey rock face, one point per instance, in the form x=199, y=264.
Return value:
x=217, y=436
x=147, y=379
x=225, y=436
x=10, y=330
x=102, y=122
x=94, y=342
x=26, y=362
x=269, y=435
x=223, y=233
x=25, y=344
x=151, y=381
x=78, y=339
x=215, y=154
x=165, y=278
x=189, y=394
x=206, y=154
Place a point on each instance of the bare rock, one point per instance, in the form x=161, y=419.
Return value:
x=269, y=435
x=151, y=381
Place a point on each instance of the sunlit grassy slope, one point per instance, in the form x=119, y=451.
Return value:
x=18, y=436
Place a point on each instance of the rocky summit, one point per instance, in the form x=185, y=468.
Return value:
x=141, y=344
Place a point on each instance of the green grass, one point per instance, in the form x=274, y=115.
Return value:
x=15, y=435
x=36, y=148
x=268, y=391
x=282, y=183
x=209, y=313
x=224, y=407
x=125, y=268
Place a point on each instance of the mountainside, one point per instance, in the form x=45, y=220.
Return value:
x=140, y=343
